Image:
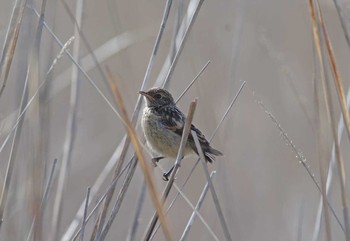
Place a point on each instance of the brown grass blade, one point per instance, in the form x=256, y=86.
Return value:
x=30, y=86
x=11, y=42
x=136, y=110
x=323, y=120
x=148, y=177
x=342, y=101
x=170, y=183
x=336, y=74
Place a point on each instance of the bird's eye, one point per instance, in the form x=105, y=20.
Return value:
x=157, y=96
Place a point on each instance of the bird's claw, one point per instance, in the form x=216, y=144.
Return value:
x=166, y=176
x=155, y=160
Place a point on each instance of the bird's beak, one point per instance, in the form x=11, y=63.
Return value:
x=144, y=93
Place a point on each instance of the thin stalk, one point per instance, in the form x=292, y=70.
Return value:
x=192, y=82
x=344, y=20
x=197, y=207
x=37, y=172
x=228, y=110
x=179, y=35
x=17, y=129
x=210, y=139
x=11, y=41
x=170, y=183
x=331, y=171
x=136, y=111
x=82, y=71
x=86, y=43
x=338, y=82
x=99, y=202
x=22, y=112
x=211, y=232
x=340, y=161
x=176, y=28
x=68, y=145
x=182, y=44
x=28, y=103
x=83, y=221
x=63, y=46
x=44, y=198
x=97, y=185
x=323, y=120
x=300, y=223
x=212, y=189
x=183, y=195
x=72, y=228
x=141, y=160
x=8, y=51
x=298, y=154
x=135, y=223
x=178, y=194
x=119, y=200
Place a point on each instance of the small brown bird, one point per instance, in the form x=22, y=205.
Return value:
x=162, y=123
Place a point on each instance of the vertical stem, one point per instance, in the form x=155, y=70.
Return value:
x=170, y=183
x=70, y=133
x=212, y=189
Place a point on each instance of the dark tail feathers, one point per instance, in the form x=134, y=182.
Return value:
x=210, y=154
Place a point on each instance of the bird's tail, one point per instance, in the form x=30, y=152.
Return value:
x=210, y=154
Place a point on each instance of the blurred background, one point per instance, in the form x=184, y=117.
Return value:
x=263, y=189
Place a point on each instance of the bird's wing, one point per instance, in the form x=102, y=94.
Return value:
x=172, y=119
x=202, y=140
x=209, y=152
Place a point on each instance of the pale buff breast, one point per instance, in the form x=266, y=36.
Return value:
x=160, y=140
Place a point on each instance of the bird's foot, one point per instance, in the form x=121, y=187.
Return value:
x=155, y=160
x=165, y=177
x=167, y=174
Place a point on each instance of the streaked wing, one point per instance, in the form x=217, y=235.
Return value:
x=202, y=140
x=172, y=119
x=209, y=152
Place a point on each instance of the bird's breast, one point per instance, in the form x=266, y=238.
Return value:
x=160, y=139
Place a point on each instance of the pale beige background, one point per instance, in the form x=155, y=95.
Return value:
x=264, y=192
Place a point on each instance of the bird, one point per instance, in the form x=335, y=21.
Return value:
x=163, y=122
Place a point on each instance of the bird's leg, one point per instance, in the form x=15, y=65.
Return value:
x=155, y=160
x=167, y=174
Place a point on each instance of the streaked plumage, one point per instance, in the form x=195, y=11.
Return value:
x=162, y=124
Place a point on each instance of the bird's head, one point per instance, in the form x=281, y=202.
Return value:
x=157, y=97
